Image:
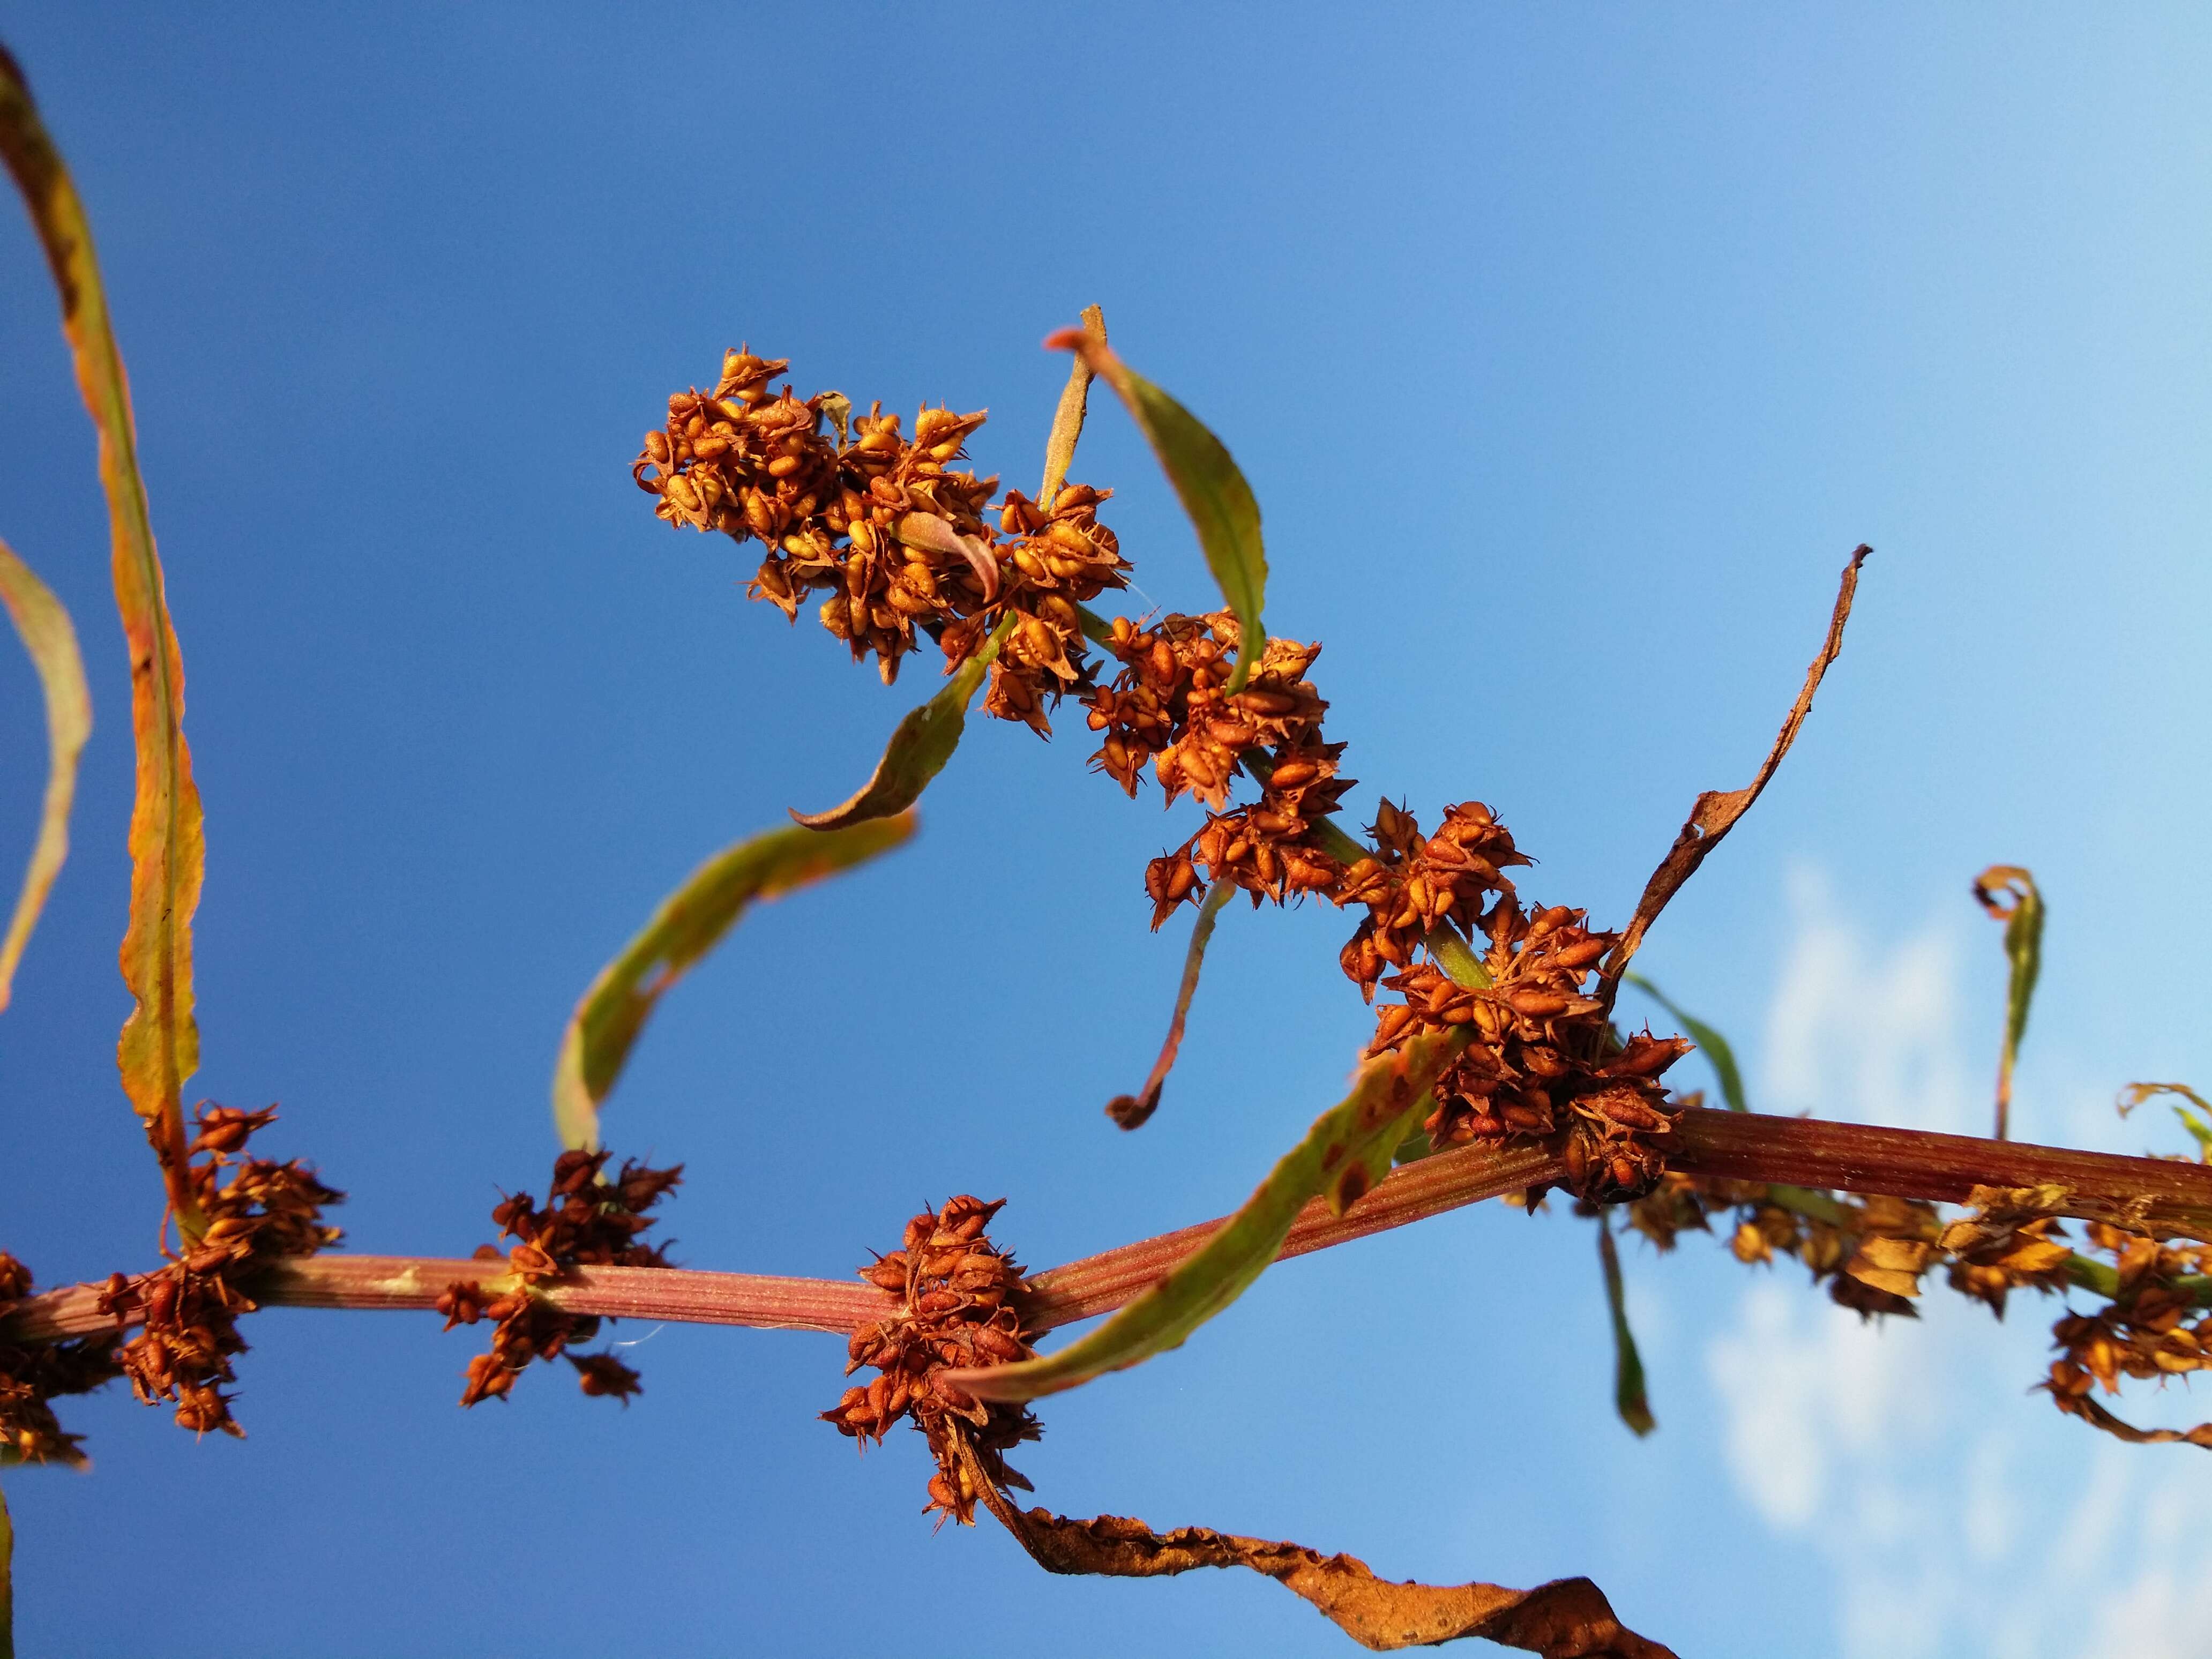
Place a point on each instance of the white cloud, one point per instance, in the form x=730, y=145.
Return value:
x=1957, y=1514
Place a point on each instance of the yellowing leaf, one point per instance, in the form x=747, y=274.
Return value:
x=159, y=1046
x=1213, y=492
x=1347, y=1151
x=690, y=922
x=47, y=635
x=2008, y=893
x=920, y=746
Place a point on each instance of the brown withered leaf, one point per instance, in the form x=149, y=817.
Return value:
x=1567, y=1619
x=1891, y=1264
x=2089, y=1410
x=1716, y=812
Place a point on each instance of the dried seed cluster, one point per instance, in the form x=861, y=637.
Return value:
x=1870, y=1252
x=900, y=542
x=888, y=528
x=958, y=1305
x=34, y=1374
x=588, y=1221
x=257, y=1212
x=2149, y=1330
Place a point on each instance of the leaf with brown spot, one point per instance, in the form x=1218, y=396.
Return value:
x=2008, y=893
x=1567, y=1619
x=1131, y=1111
x=52, y=641
x=920, y=746
x=1716, y=812
x=1347, y=1151
x=690, y=922
x=159, y=1048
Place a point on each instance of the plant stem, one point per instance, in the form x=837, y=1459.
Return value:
x=2158, y=1195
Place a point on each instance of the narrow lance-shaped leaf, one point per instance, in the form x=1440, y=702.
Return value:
x=1711, y=1043
x=47, y=635
x=2008, y=893
x=1715, y=812
x=920, y=746
x=1347, y=1151
x=1628, y=1395
x=1212, y=490
x=688, y=925
x=1130, y=1111
x=160, y=1045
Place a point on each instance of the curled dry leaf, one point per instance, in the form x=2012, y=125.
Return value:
x=920, y=746
x=932, y=534
x=1567, y=1619
x=1716, y=812
x=2086, y=1408
x=1067, y=426
x=159, y=1048
x=1212, y=490
x=1130, y=1111
x=1346, y=1152
x=52, y=641
x=2199, y=1126
x=2008, y=893
x=690, y=922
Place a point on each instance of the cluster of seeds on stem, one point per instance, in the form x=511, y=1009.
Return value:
x=958, y=1305
x=34, y=1374
x=588, y=1220
x=899, y=541
x=256, y=1211
x=2154, y=1326
x=888, y=528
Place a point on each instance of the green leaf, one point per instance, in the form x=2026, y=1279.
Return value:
x=920, y=747
x=1714, y=1045
x=1346, y=1152
x=690, y=923
x=2008, y=893
x=1130, y=1111
x=159, y=1046
x=1214, y=494
x=52, y=641
x=1628, y=1395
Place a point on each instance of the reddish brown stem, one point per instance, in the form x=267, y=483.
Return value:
x=2165, y=1196
x=2160, y=1195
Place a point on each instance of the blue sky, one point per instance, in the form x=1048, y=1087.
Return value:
x=1569, y=351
